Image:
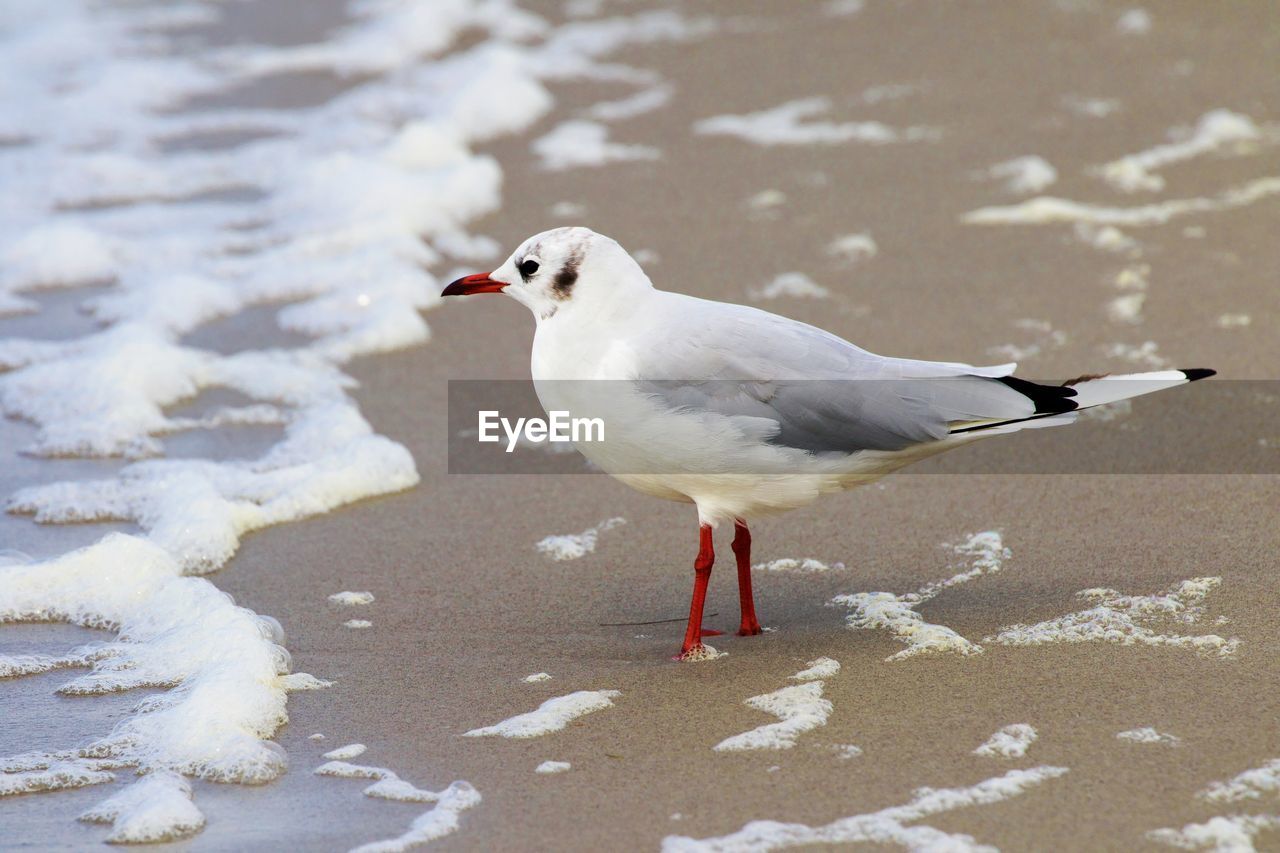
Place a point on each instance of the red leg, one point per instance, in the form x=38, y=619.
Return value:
x=746, y=601
x=701, y=575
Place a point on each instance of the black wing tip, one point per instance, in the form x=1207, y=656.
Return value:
x=1048, y=399
x=1194, y=373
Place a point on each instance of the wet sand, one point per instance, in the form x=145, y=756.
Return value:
x=466, y=607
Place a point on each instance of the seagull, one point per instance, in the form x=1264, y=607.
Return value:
x=742, y=412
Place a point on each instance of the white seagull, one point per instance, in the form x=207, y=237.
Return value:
x=742, y=412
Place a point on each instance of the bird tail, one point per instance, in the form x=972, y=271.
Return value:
x=1057, y=404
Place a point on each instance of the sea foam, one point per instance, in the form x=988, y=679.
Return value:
x=332, y=213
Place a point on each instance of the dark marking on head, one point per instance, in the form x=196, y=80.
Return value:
x=567, y=276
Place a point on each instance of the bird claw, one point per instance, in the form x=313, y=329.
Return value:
x=750, y=630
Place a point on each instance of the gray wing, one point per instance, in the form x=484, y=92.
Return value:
x=846, y=415
x=824, y=394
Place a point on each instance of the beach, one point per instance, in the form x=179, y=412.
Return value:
x=921, y=101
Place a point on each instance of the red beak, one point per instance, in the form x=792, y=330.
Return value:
x=478, y=283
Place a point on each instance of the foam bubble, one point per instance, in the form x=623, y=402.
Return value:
x=351, y=599
x=1147, y=734
x=1216, y=130
x=852, y=248
x=799, y=708
x=228, y=676
x=1047, y=209
x=889, y=825
x=818, y=668
x=345, y=753
x=803, y=565
x=1029, y=174
x=795, y=123
x=549, y=767
x=157, y=807
x=1113, y=617
x=1233, y=834
x=795, y=285
x=1134, y=22
x=897, y=613
x=438, y=822
x=551, y=716
x=577, y=143
x=1251, y=784
x=572, y=546
x=1009, y=742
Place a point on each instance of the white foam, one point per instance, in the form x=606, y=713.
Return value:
x=549, y=767
x=1252, y=784
x=350, y=202
x=571, y=51
x=887, y=825
x=1091, y=107
x=1134, y=22
x=818, y=668
x=572, y=546
x=1126, y=309
x=795, y=123
x=345, y=753
x=49, y=774
x=847, y=750
x=443, y=819
x=1146, y=353
x=1233, y=834
x=852, y=248
x=357, y=623
x=801, y=565
x=1128, y=620
x=887, y=92
x=767, y=199
x=645, y=101
x=795, y=285
x=1233, y=321
x=1047, y=209
x=1029, y=174
x=799, y=708
x=1009, y=742
x=577, y=143
x=1106, y=238
x=536, y=677
x=897, y=613
x=551, y=716
x=351, y=599
x=567, y=210
x=1042, y=336
x=440, y=821
x=225, y=666
x=1147, y=734
x=702, y=653
x=1216, y=130
x=157, y=807
x=843, y=8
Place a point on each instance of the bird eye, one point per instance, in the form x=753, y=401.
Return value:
x=528, y=268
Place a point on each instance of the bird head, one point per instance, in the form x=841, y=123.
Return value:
x=556, y=269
